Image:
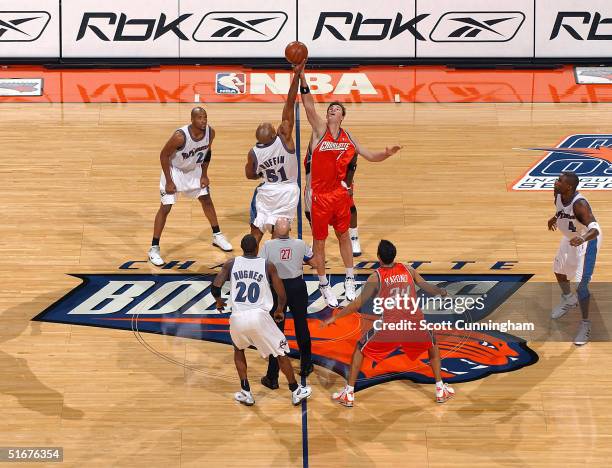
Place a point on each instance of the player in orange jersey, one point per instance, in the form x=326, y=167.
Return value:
x=392, y=281
x=330, y=151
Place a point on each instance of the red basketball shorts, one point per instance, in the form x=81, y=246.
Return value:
x=330, y=209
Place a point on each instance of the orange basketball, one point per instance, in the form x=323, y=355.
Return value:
x=296, y=52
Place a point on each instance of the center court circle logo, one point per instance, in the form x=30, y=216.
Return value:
x=181, y=306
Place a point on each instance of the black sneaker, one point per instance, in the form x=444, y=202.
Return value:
x=306, y=371
x=272, y=384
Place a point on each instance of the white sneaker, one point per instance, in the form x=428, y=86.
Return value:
x=344, y=397
x=567, y=302
x=155, y=257
x=349, y=288
x=300, y=393
x=444, y=394
x=584, y=332
x=355, y=242
x=220, y=241
x=328, y=295
x=244, y=397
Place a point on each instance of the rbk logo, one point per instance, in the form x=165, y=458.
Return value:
x=22, y=26
x=142, y=28
x=335, y=22
x=577, y=19
x=477, y=26
x=182, y=305
x=246, y=26
x=589, y=156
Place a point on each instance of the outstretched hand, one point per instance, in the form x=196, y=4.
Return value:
x=391, y=151
x=299, y=68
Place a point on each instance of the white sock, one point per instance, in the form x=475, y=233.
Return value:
x=323, y=280
x=439, y=384
x=349, y=273
x=349, y=388
x=353, y=232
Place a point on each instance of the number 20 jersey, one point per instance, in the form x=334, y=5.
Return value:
x=250, y=287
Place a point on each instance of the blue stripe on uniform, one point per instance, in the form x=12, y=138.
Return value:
x=253, y=204
x=589, y=261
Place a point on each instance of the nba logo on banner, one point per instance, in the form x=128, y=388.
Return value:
x=231, y=83
x=589, y=156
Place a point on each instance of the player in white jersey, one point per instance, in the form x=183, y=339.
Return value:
x=274, y=159
x=250, y=322
x=184, y=161
x=577, y=253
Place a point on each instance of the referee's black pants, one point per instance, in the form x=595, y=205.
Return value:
x=297, y=302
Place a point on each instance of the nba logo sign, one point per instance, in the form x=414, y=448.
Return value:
x=589, y=156
x=231, y=83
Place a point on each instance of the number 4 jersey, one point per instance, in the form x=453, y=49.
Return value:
x=567, y=222
x=250, y=287
x=279, y=194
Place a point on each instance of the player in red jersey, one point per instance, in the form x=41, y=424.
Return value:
x=392, y=281
x=330, y=151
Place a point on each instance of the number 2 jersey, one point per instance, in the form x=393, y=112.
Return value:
x=186, y=166
x=193, y=152
x=250, y=287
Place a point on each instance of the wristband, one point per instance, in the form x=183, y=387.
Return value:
x=304, y=89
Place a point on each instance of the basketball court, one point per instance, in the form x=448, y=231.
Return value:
x=80, y=190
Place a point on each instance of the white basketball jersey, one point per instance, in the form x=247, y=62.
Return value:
x=193, y=151
x=566, y=219
x=276, y=163
x=250, y=288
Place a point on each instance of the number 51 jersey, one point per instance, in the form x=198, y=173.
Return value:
x=276, y=163
x=250, y=288
x=279, y=195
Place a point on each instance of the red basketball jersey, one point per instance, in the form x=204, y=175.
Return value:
x=394, y=282
x=329, y=160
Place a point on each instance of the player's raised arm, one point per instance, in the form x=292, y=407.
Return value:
x=425, y=286
x=286, y=127
x=376, y=156
x=368, y=291
x=176, y=141
x=584, y=214
x=316, y=121
x=250, y=168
